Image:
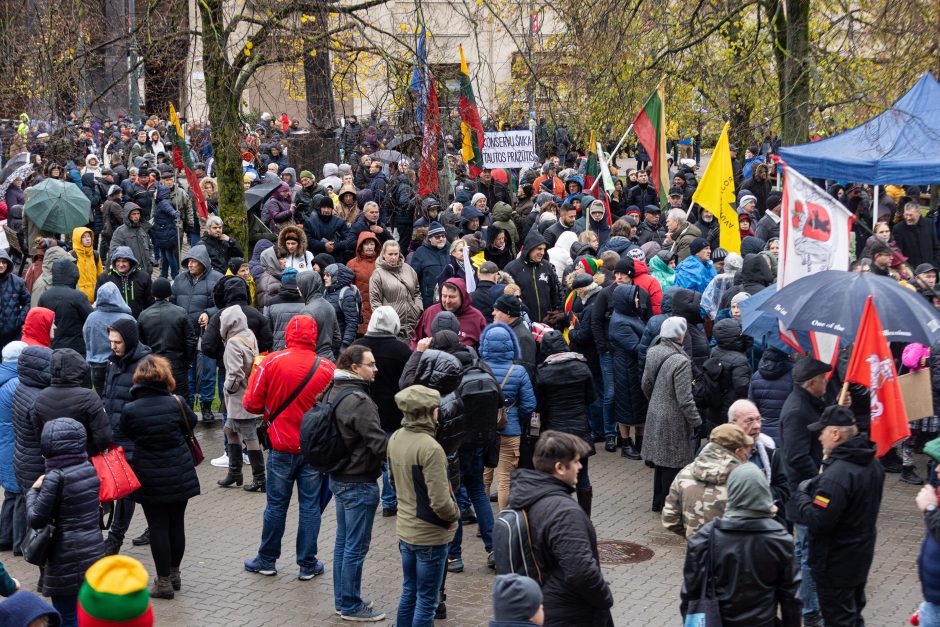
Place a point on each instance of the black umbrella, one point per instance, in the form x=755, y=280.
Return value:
x=400, y=141
x=259, y=193
x=833, y=301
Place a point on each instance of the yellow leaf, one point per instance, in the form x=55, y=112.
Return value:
x=303, y=19
x=247, y=52
x=403, y=27
x=313, y=53
x=249, y=45
x=333, y=16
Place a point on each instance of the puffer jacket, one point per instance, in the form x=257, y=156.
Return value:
x=164, y=232
x=317, y=307
x=347, y=312
x=565, y=389
x=33, y=372
x=162, y=461
x=65, y=396
x=279, y=311
x=653, y=326
x=397, y=286
x=71, y=307
x=357, y=419
x=688, y=304
x=643, y=279
x=87, y=261
x=699, y=492
x=14, y=302
x=499, y=348
x=44, y=282
x=440, y=371
x=8, y=385
x=194, y=294
x=241, y=348
x=117, y=389
x=134, y=236
x=170, y=333
x=428, y=263
x=232, y=290
x=135, y=287
x=565, y=547
x=735, y=368
x=672, y=416
x=108, y=307
x=77, y=542
x=624, y=334
x=770, y=386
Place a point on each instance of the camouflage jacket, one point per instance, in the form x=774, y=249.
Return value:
x=698, y=493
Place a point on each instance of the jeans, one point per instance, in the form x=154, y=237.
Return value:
x=808, y=585
x=169, y=265
x=13, y=519
x=193, y=239
x=283, y=470
x=356, y=503
x=471, y=478
x=389, y=498
x=167, y=534
x=68, y=608
x=607, y=374
x=929, y=614
x=423, y=570
x=205, y=369
x=596, y=409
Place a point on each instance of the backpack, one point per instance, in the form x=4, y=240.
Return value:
x=320, y=441
x=256, y=360
x=512, y=545
x=708, y=388
x=355, y=290
x=482, y=399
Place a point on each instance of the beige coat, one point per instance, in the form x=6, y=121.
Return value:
x=241, y=348
x=397, y=287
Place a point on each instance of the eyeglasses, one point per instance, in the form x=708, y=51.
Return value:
x=372, y=365
x=752, y=421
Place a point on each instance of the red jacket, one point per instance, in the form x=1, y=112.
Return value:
x=648, y=282
x=471, y=320
x=280, y=374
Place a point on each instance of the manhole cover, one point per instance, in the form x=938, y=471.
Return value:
x=620, y=552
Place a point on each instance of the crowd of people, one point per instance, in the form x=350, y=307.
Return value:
x=472, y=346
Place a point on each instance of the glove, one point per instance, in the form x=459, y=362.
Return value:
x=699, y=432
x=806, y=486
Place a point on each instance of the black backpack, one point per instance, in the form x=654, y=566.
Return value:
x=512, y=545
x=708, y=388
x=482, y=398
x=320, y=441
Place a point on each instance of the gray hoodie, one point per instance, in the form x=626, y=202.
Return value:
x=241, y=348
x=311, y=287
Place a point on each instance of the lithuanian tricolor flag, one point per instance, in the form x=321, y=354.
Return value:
x=471, y=128
x=182, y=161
x=650, y=129
x=591, y=170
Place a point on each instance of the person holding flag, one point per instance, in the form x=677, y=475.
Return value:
x=715, y=192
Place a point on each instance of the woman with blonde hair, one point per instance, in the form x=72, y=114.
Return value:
x=395, y=283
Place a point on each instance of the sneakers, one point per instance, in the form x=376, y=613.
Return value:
x=365, y=615
x=307, y=575
x=388, y=512
x=909, y=475
x=143, y=539
x=208, y=418
x=256, y=565
x=366, y=603
x=467, y=517
x=491, y=560
x=454, y=565
x=611, y=444
x=222, y=461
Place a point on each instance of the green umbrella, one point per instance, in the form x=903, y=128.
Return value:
x=56, y=207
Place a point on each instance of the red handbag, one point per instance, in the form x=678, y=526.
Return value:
x=116, y=475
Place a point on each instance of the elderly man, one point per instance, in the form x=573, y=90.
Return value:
x=698, y=493
x=679, y=233
x=764, y=454
x=839, y=506
x=916, y=236
x=220, y=246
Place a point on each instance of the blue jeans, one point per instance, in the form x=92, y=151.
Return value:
x=193, y=239
x=471, y=478
x=283, y=470
x=929, y=614
x=356, y=503
x=423, y=570
x=808, y=585
x=607, y=373
x=596, y=409
x=169, y=265
x=389, y=498
x=68, y=608
x=206, y=383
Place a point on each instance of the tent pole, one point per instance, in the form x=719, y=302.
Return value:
x=874, y=210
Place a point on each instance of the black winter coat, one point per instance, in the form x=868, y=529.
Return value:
x=770, y=387
x=802, y=452
x=169, y=332
x=391, y=355
x=565, y=389
x=541, y=292
x=582, y=337
x=624, y=334
x=840, y=508
x=71, y=306
x=65, y=397
x=918, y=242
x=687, y=304
x=136, y=287
x=220, y=251
x=117, y=390
x=735, y=368
x=754, y=571
x=162, y=461
x=14, y=302
x=33, y=372
x=232, y=290
x=574, y=591
x=77, y=543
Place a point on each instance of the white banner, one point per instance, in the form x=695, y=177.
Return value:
x=509, y=149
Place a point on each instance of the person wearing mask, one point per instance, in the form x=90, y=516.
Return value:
x=429, y=260
x=157, y=423
x=133, y=282
x=77, y=542
x=135, y=234
x=428, y=512
x=749, y=557
x=354, y=482
x=14, y=301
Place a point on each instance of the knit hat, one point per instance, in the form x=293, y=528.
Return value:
x=636, y=254
x=445, y=321
x=305, y=174
x=509, y=305
x=739, y=298
x=114, y=189
x=515, y=598
x=11, y=352
x=384, y=320
x=115, y=593
x=730, y=436
x=719, y=254
x=673, y=328
x=698, y=245
x=289, y=278
x=323, y=260
x=436, y=228
x=773, y=201
x=744, y=201
x=589, y=264
x=476, y=197
x=417, y=400
x=162, y=288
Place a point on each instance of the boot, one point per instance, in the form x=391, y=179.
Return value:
x=584, y=500
x=143, y=539
x=909, y=475
x=175, y=578
x=257, y=472
x=639, y=444
x=162, y=588
x=629, y=451
x=112, y=546
x=234, y=476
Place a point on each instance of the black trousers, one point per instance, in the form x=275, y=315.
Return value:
x=662, y=480
x=841, y=607
x=167, y=535
x=123, y=513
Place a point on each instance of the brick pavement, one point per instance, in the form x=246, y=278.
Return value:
x=224, y=526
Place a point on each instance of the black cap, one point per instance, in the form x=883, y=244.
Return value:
x=581, y=280
x=625, y=266
x=807, y=368
x=834, y=416
x=509, y=305
x=925, y=267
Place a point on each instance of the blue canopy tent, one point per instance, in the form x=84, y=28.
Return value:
x=898, y=146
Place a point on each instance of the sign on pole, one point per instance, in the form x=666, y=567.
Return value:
x=509, y=149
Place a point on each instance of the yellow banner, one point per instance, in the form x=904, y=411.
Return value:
x=716, y=194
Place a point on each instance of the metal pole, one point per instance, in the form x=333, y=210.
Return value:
x=613, y=154
x=531, y=42
x=132, y=63
x=874, y=210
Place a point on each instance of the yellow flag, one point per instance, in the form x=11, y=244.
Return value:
x=716, y=193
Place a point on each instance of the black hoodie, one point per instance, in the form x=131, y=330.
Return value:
x=687, y=304
x=71, y=307
x=232, y=290
x=538, y=281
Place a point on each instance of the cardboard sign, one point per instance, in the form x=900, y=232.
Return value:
x=917, y=394
x=509, y=149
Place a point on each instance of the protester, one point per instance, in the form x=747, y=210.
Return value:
x=169, y=332
x=132, y=280
x=517, y=602
x=394, y=283
x=71, y=306
x=14, y=301
x=108, y=308
x=455, y=300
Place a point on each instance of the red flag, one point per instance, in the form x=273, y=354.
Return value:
x=873, y=366
x=427, y=174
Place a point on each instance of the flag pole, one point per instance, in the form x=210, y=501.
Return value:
x=689, y=212
x=613, y=154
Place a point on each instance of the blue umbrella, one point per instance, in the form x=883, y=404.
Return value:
x=833, y=301
x=761, y=325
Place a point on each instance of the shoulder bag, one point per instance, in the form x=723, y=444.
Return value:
x=37, y=545
x=263, y=426
x=194, y=448
x=705, y=611
x=502, y=414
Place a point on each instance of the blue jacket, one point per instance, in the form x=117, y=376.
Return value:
x=624, y=334
x=109, y=306
x=692, y=274
x=164, y=231
x=499, y=348
x=770, y=387
x=34, y=375
x=14, y=302
x=347, y=310
x=321, y=230
x=8, y=383
x=428, y=262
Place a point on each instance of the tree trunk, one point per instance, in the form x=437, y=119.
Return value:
x=740, y=89
x=795, y=97
x=318, y=86
x=778, y=23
